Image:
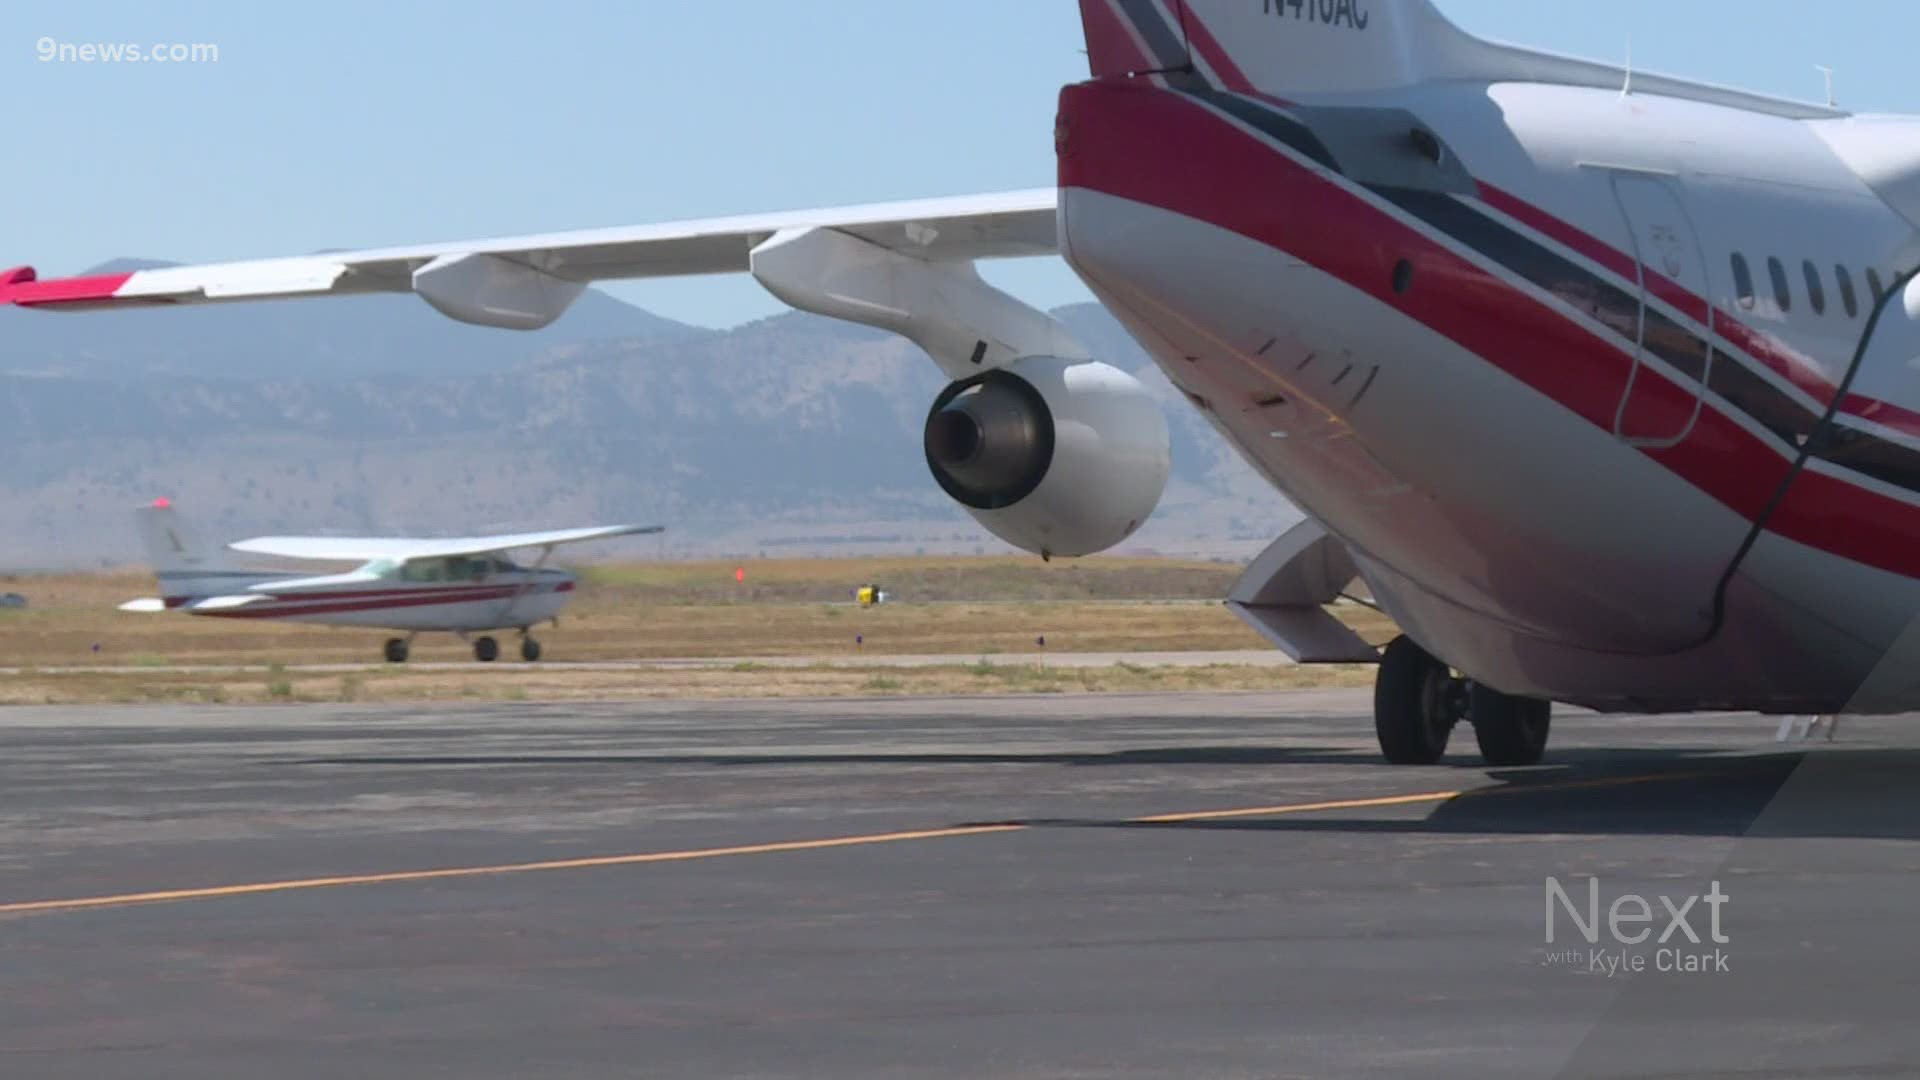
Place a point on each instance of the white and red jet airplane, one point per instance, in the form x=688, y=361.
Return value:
x=1604, y=382
x=459, y=585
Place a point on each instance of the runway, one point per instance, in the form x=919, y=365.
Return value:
x=1142, y=885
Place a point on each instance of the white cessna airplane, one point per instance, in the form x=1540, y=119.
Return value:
x=460, y=585
x=1604, y=382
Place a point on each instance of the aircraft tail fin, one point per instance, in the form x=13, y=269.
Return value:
x=186, y=565
x=1278, y=46
x=1310, y=49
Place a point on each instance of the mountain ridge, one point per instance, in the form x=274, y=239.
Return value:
x=791, y=434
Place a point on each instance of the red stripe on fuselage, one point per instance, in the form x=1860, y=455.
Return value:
x=1166, y=150
x=1779, y=356
x=448, y=592
x=377, y=603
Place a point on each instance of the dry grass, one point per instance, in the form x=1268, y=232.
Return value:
x=946, y=606
x=920, y=580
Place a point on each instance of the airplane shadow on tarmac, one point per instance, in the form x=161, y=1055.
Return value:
x=1834, y=794
x=1863, y=793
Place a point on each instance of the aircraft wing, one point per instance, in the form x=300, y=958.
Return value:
x=525, y=282
x=369, y=548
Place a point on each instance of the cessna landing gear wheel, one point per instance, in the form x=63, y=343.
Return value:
x=529, y=649
x=1416, y=702
x=396, y=650
x=1511, y=730
x=486, y=650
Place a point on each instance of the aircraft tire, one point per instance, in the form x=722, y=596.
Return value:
x=396, y=650
x=1511, y=730
x=1415, y=704
x=486, y=650
x=529, y=649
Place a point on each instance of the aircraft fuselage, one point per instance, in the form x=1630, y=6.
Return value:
x=1556, y=363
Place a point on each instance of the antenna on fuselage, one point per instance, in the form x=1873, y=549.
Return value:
x=1626, y=88
x=1828, y=72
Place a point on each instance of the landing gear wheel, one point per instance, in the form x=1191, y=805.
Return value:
x=396, y=650
x=529, y=649
x=1416, y=702
x=486, y=650
x=1511, y=730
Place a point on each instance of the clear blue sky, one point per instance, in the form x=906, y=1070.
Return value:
x=356, y=123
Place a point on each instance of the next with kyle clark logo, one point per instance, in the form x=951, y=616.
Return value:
x=1620, y=939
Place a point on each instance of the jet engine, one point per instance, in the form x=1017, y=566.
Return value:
x=1058, y=457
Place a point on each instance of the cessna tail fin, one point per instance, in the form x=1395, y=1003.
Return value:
x=186, y=565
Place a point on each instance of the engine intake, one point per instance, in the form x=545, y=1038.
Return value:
x=1059, y=457
x=989, y=440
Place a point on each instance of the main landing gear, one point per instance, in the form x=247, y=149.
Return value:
x=487, y=650
x=1417, y=700
x=396, y=650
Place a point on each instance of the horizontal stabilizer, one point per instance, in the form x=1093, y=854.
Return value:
x=224, y=603
x=145, y=604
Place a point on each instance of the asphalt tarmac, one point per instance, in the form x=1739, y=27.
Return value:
x=1144, y=886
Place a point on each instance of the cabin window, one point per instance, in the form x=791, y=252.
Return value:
x=423, y=570
x=461, y=568
x=1742, y=281
x=1816, y=292
x=1848, y=299
x=1782, y=290
x=1873, y=283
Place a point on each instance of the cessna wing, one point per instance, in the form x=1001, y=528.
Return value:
x=400, y=549
x=526, y=282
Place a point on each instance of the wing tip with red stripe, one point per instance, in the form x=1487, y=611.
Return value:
x=22, y=287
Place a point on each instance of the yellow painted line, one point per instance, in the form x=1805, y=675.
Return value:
x=218, y=891
x=1428, y=797
x=1300, y=808
x=345, y=881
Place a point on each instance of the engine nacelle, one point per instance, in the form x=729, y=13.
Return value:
x=1058, y=457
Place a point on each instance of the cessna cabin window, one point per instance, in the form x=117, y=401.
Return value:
x=426, y=570
x=463, y=568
